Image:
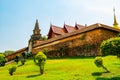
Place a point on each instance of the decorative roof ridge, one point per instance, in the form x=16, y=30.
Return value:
x=55, y=26
x=67, y=25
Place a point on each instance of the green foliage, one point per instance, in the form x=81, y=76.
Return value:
x=45, y=52
x=44, y=38
x=118, y=35
x=29, y=55
x=2, y=60
x=110, y=46
x=99, y=63
x=40, y=59
x=76, y=68
x=83, y=36
x=16, y=59
x=12, y=70
x=61, y=51
x=1, y=53
x=8, y=52
x=22, y=60
x=24, y=54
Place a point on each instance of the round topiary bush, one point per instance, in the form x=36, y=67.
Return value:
x=99, y=63
x=22, y=60
x=39, y=60
x=12, y=70
x=2, y=60
x=110, y=46
x=16, y=59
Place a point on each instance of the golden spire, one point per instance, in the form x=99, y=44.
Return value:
x=115, y=24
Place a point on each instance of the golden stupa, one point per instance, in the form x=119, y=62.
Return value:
x=115, y=24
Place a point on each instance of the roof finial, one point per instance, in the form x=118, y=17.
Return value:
x=115, y=24
x=36, y=20
x=75, y=23
x=85, y=25
x=50, y=24
x=64, y=23
x=36, y=25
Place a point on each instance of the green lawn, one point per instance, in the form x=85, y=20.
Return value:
x=65, y=69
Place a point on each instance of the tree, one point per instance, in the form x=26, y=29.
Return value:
x=99, y=63
x=1, y=52
x=12, y=70
x=16, y=59
x=39, y=60
x=8, y=52
x=30, y=55
x=22, y=60
x=2, y=59
x=111, y=47
x=44, y=38
x=24, y=54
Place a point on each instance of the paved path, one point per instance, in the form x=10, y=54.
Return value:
x=9, y=62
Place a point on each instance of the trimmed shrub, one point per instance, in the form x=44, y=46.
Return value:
x=39, y=60
x=24, y=54
x=111, y=47
x=16, y=59
x=12, y=70
x=22, y=60
x=99, y=63
x=29, y=55
x=45, y=52
x=2, y=60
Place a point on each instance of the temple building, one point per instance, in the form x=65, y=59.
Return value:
x=35, y=37
x=69, y=40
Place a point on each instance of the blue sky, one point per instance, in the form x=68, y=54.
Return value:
x=17, y=17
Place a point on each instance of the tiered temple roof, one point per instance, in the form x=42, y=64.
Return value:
x=56, y=31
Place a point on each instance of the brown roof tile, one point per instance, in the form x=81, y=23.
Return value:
x=78, y=26
x=69, y=28
x=57, y=30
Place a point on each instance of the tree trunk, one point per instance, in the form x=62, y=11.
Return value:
x=41, y=69
x=105, y=68
x=11, y=73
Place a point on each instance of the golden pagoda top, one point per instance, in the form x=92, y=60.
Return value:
x=115, y=24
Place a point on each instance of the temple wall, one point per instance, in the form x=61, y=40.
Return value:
x=84, y=44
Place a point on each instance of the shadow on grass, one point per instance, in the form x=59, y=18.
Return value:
x=20, y=65
x=98, y=73
x=31, y=76
x=116, y=63
x=112, y=78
